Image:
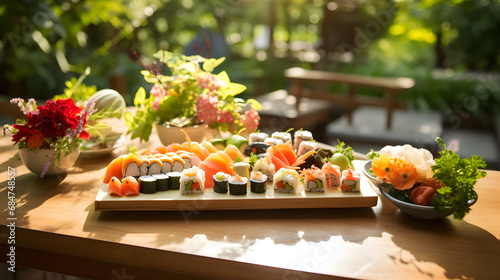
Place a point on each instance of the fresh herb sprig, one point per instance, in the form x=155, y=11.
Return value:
x=459, y=176
x=347, y=151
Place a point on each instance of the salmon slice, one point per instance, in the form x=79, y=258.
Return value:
x=275, y=151
x=114, y=169
x=210, y=148
x=233, y=152
x=199, y=150
x=287, y=151
x=130, y=186
x=115, y=187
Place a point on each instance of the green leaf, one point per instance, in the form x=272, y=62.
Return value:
x=254, y=104
x=140, y=96
x=210, y=64
x=234, y=89
x=224, y=78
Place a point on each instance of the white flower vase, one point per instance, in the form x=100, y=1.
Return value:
x=171, y=134
x=36, y=159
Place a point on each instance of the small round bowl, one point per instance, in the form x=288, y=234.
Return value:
x=414, y=210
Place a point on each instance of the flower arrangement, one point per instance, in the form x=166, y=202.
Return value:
x=58, y=125
x=446, y=182
x=191, y=94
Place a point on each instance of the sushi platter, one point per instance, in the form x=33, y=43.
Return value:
x=209, y=200
x=258, y=173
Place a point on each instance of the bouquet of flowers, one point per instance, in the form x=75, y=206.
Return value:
x=58, y=125
x=190, y=95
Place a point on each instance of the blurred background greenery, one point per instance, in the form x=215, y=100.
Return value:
x=450, y=47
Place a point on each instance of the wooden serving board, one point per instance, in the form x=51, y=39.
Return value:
x=172, y=200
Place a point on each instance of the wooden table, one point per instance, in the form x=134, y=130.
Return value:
x=58, y=230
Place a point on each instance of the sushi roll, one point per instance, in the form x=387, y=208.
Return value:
x=332, y=173
x=258, y=182
x=161, y=182
x=314, y=180
x=257, y=137
x=286, y=137
x=306, y=146
x=167, y=163
x=155, y=165
x=274, y=141
x=350, y=181
x=135, y=166
x=266, y=169
x=178, y=163
x=220, y=182
x=192, y=181
x=299, y=136
x=147, y=184
x=187, y=160
x=242, y=168
x=256, y=148
x=286, y=181
x=238, y=185
x=174, y=180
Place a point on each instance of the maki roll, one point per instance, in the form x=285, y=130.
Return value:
x=256, y=148
x=155, y=165
x=306, y=146
x=134, y=166
x=187, y=160
x=220, y=182
x=286, y=181
x=238, y=185
x=286, y=137
x=257, y=137
x=332, y=173
x=192, y=181
x=274, y=141
x=167, y=163
x=174, y=180
x=242, y=168
x=266, y=169
x=349, y=182
x=147, y=184
x=178, y=163
x=161, y=182
x=258, y=182
x=314, y=180
x=299, y=136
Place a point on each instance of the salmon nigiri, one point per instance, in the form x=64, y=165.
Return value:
x=130, y=186
x=114, y=169
x=115, y=187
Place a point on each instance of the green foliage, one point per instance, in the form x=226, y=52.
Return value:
x=459, y=176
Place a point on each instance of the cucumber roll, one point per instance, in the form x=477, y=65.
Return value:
x=174, y=180
x=286, y=181
x=238, y=185
x=192, y=181
x=258, y=182
x=220, y=182
x=147, y=184
x=161, y=182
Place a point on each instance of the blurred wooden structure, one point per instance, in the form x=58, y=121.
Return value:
x=392, y=86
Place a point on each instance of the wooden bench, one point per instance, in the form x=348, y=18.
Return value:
x=300, y=78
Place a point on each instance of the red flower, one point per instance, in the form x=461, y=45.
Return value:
x=55, y=120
